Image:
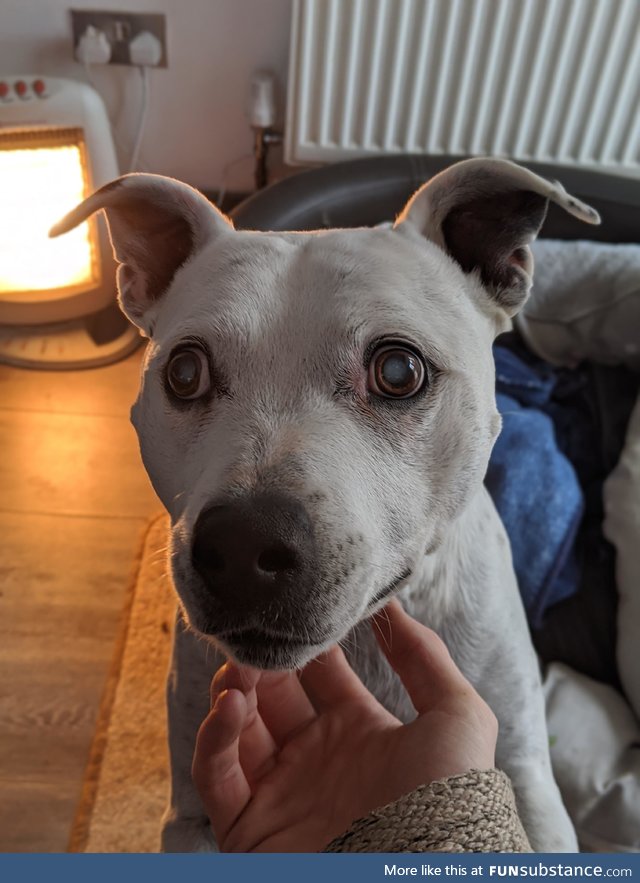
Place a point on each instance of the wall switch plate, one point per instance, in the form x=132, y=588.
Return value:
x=120, y=28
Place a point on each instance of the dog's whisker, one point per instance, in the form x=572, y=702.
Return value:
x=386, y=638
x=160, y=580
x=349, y=642
x=159, y=553
x=158, y=558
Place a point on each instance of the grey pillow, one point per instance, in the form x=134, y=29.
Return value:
x=585, y=303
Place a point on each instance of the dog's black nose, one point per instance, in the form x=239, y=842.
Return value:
x=252, y=551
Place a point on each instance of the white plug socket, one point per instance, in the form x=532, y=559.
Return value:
x=145, y=50
x=93, y=47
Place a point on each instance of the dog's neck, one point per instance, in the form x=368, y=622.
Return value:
x=459, y=575
x=454, y=590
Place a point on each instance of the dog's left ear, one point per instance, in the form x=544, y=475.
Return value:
x=484, y=213
x=156, y=224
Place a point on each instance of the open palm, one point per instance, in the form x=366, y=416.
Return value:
x=285, y=763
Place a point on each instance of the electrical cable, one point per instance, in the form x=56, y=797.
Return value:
x=222, y=192
x=135, y=153
x=92, y=82
x=122, y=148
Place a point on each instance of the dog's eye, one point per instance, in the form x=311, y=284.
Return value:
x=396, y=372
x=188, y=374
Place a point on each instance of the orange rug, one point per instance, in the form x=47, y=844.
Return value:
x=126, y=782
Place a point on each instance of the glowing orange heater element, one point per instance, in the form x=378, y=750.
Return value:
x=44, y=174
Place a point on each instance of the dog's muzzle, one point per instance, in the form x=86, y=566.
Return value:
x=256, y=558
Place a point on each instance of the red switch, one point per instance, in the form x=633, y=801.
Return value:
x=21, y=88
x=4, y=90
x=38, y=87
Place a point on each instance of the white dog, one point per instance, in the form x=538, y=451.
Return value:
x=316, y=413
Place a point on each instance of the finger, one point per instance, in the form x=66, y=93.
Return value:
x=283, y=704
x=419, y=657
x=257, y=745
x=232, y=676
x=216, y=770
x=329, y=681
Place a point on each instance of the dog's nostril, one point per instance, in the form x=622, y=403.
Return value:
x=211, y=559
x=216, y=561
x=277, y=559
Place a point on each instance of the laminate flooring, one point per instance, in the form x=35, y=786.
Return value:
x=74, y=504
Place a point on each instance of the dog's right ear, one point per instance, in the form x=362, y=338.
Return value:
x=156, y=225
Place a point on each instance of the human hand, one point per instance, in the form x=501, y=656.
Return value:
x=286, y=762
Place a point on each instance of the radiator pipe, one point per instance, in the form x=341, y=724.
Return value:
x=263, y=139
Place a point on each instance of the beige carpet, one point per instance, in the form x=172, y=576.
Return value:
x=126, y=783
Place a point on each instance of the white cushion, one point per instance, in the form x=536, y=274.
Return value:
x=595, y=752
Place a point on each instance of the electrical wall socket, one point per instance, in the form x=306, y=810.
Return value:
x=120, y=28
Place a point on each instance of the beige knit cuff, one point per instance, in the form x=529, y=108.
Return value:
x=473, y=812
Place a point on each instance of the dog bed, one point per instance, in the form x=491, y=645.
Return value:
x=585, y=305
x=584, y=310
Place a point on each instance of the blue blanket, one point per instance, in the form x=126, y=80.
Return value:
x=533, y=485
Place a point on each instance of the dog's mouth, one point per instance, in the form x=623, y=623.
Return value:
x=267, y=650
x=264, y=648
x=387, y=591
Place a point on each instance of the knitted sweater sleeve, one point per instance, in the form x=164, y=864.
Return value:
x=473, y=812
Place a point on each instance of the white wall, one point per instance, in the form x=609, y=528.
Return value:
x=196, y=123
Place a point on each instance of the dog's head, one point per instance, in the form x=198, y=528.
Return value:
x=317, y=408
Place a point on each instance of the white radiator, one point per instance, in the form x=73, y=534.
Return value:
x=545, y=80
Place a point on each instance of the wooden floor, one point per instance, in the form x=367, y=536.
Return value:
x=74, y=502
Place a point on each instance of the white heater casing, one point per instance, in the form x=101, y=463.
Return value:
x=63, y=104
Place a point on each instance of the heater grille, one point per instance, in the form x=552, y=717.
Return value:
x=44, y=173
x=544, y=80
x=35, y=137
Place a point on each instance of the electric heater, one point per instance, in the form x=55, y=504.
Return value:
x=57, y=296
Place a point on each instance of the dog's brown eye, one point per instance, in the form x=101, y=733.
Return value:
x=188, y=374
x=396, y=372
